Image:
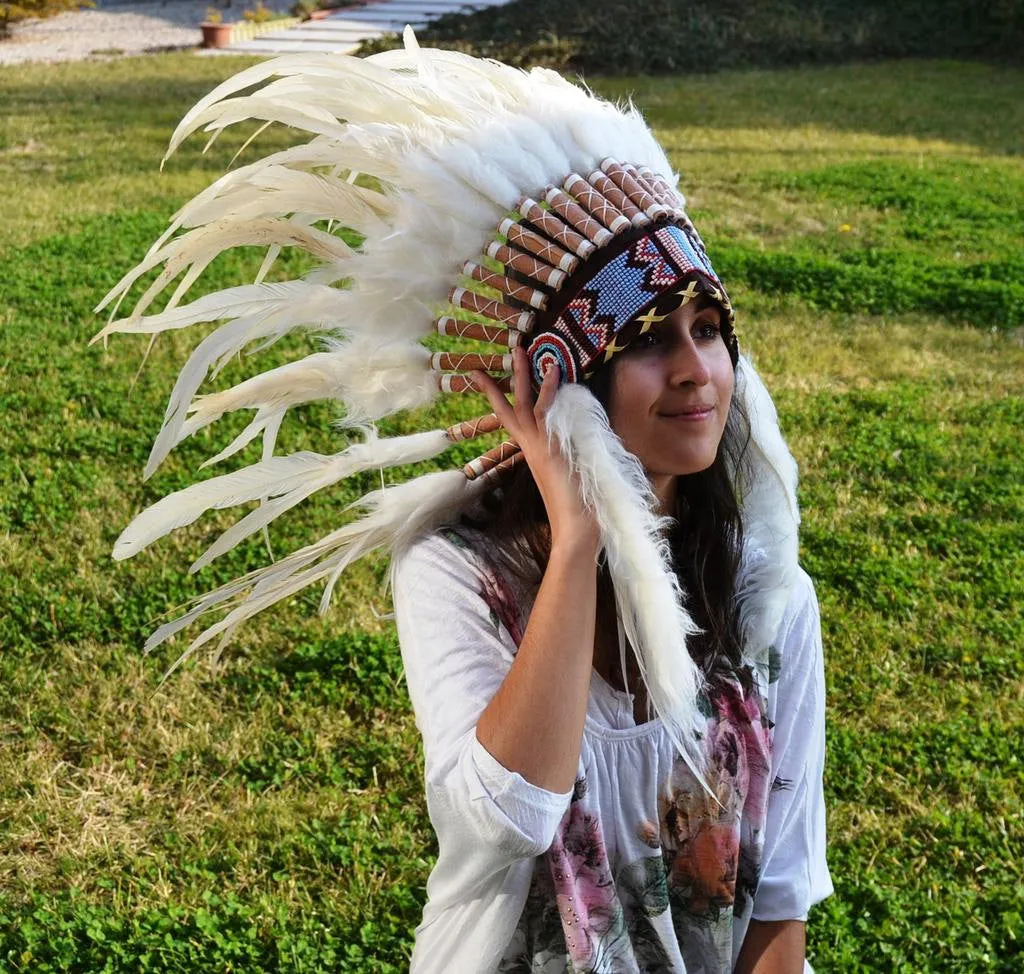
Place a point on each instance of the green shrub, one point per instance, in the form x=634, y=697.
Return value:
x=667, y=36
x=12, y=13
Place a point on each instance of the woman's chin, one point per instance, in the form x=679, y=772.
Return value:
x=679, y=465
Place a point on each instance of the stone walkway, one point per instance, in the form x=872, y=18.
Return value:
x=109, y=30
x=121, y=27
x=344, y=30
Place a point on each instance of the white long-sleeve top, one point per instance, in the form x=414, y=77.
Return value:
x=636, y=869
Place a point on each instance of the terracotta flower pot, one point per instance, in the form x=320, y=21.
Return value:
x=216, y=35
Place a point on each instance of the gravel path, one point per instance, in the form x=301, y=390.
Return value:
x=112, y=28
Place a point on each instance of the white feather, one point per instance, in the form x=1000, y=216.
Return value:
x=232, y=302
x=315, y=377
x=291, y=479
x=275, y=191
x=317, y=310
x=205, y=243
x=370, y=379
x=369, y=148
x=396, y=516
x=650, y=604
x=766, y=488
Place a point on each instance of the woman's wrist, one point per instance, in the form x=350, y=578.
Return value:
x=577, y=539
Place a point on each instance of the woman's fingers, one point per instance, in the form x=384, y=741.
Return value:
x=524, y=420
x=521, y=381
x=501, y=406
x=548, y=390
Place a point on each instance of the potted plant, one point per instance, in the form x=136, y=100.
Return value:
x=215, y=32
x=320, y=9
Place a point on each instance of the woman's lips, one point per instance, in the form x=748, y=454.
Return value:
x=693, y=414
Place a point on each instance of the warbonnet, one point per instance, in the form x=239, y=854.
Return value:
x=504, y=207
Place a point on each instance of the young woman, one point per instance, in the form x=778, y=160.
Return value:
x=612, y=653
x=571, y=835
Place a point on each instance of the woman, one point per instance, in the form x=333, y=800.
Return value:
x=613, y=656
x=569, y=837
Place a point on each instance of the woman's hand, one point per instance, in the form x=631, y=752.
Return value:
x=571, y=522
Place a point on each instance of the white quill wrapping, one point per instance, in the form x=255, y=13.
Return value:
x=647, y=594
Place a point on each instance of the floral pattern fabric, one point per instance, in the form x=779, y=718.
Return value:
x=674, y=903
x=672, y=898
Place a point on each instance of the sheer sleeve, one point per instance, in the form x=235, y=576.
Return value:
x=456, y=652
x=794, y=873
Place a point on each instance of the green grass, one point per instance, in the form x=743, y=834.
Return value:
x=266, y=813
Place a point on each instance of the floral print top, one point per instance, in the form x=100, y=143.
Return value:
x=638, y=869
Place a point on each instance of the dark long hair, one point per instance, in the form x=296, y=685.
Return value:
x=706, y=539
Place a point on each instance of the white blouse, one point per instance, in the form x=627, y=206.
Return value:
x=637, y=869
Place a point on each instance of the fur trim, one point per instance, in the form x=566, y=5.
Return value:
x=765, y=485
x=647, y=594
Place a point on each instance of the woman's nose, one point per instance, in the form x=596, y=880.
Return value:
x=687, y=363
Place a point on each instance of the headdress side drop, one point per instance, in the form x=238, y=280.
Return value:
x=505, y=207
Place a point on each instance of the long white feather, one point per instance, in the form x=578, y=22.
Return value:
x=766, y=487
x=363, y=86
x=234, y=302
x=369, y=379
x=315, y=312
x=396, y=515
x=205, y=243
x=370, y=148
x=280, y=477
x=650, y=604
x=275, y=191
x=318, y=376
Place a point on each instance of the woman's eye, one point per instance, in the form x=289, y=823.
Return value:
x=707, y=329
x=647, y=340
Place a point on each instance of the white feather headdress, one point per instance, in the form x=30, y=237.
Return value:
x=462, y=179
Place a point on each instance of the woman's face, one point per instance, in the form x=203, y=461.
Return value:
x=670, y=393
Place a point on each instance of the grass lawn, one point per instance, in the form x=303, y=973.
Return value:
x=265, y=813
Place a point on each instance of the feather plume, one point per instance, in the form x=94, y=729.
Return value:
x=396, y=515
x=766, y=487
x=647, y=594
x=288, y=479
x=366, y=90
x=370, y=149
x=273, y=321
x=202, y=245
x=452, y=142
x=401, y=379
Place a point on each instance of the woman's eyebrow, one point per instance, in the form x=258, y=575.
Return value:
x=705, y=301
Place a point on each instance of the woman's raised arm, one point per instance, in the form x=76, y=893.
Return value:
x=534, y=723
